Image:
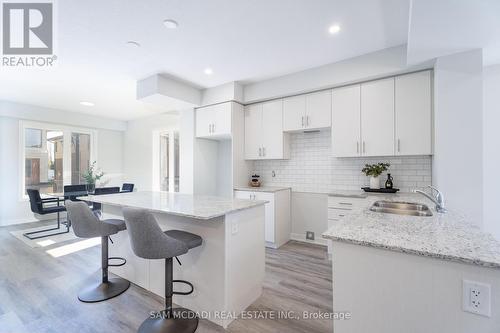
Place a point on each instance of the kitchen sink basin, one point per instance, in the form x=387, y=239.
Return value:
x=401, y=208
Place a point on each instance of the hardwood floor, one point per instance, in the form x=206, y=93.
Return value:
x=38, y=292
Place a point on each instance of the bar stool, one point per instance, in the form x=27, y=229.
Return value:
x=87, y=225
x=150, y=242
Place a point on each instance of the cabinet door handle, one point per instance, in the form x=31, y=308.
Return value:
x=399, y=145
x=357, y=147
x=364, y=147
x=307, y=121
x=213, y=128
x=345, y=203
x=264, y=151
x=302, y=121
x=260, y=151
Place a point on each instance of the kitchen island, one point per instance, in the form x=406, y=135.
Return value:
x=227, y=270
x=393, y=272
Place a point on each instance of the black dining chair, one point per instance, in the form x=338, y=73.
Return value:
x=38, y=206
x=127, y=187
x=96, y=207
x=73, y=191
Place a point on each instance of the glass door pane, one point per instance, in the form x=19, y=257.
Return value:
x=80, y=157
x=164, y=162
x=176, y=161
x=44, y=160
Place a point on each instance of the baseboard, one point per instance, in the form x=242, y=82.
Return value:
x=7, y=222
x=302, y=238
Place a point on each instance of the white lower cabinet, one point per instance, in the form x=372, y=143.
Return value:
x=339, y=208
x=277, y=211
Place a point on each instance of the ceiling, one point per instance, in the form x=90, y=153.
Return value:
x=240, y=40
x=444, y=27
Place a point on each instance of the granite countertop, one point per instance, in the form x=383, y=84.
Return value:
x=448, y=236
x=194, y=206
x=271, y=189
x=349, y=194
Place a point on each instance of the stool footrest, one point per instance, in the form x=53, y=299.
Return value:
x=183, y=292
x=124, y=261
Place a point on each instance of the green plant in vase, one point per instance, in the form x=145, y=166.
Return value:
x=374, y=171
x=91, y=176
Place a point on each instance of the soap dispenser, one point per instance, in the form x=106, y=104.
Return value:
x=388, y=182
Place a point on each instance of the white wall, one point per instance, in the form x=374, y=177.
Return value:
x=458, y=159
x=109, y=152
x=38, y=113
x=138, y=148
x=378, y=64
x=491, y=157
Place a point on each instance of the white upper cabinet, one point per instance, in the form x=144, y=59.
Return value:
x=253, y=136
x=214, y=121
x=319, y=110
x=307, y=112
x=272, y=130
x=384, y=117
x=264, y=137
x=377, y=118
x=294, y=112
x=346, y=113
x=413, y=114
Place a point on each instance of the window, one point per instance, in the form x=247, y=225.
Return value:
x=33, y=138
x=168, y=161
x=54, y=156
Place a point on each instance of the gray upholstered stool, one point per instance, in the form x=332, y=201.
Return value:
x=87, y=225
x=150, y=242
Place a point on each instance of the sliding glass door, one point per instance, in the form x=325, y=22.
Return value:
x=54, y=156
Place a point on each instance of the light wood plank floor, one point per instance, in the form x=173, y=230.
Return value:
x=38, y=292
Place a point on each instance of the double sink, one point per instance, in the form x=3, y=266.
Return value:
x=401, y=208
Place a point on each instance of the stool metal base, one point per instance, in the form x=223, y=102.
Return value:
x=181, y=321
x=104, y=290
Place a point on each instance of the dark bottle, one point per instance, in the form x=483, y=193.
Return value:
x=388, y=182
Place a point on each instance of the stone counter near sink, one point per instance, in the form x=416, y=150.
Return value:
x=391, y=272
x=448, y=236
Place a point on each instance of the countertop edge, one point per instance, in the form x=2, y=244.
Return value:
x=194, y=217
x=462, y=260
x=269, y=189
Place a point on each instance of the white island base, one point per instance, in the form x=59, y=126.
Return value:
x=227, y=270
x=394, y=292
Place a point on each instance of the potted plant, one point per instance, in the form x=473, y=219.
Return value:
x=374, y=171
x=91, y=176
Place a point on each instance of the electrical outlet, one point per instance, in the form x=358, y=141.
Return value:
x=477, y=298
x=309, y=235
x=234, y=228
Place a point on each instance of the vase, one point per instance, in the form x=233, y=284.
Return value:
x=374, y=183
x=90, y=187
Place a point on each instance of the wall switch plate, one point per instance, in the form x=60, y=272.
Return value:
x=477, y=298
x=234, y=228
x=309, y=235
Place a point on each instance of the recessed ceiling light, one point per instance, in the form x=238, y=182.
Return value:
x=133, y=43
x=84, y=103
x=334, y=29
x=170, y=24
x=208, y=71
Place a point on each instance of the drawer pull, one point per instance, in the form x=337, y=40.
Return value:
x=341, y=215
x=345, y=203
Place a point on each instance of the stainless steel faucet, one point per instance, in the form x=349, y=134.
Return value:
x=438, y=199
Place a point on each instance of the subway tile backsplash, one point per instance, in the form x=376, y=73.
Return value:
x=312, y=168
